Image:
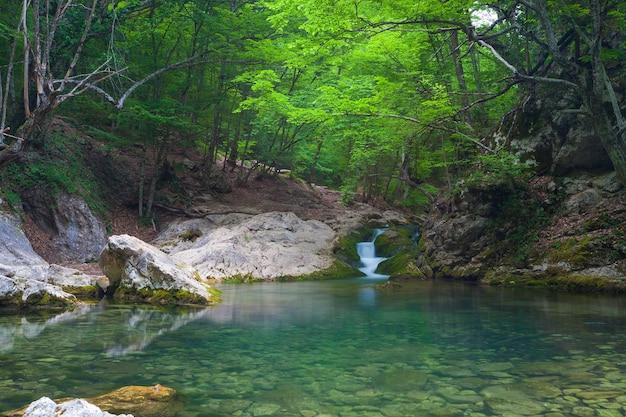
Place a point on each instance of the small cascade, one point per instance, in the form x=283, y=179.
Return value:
x=369, y=260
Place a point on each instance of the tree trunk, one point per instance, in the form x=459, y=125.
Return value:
x=142, y=179
x=460, y=75
x=159, y=162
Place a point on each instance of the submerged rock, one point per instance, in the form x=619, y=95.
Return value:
x=141, y=401
x=139, y=271
x=138, y=401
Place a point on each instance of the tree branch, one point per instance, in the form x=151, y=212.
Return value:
x=521, y=76
x=394, y=116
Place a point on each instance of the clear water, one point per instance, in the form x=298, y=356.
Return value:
x=336, y=349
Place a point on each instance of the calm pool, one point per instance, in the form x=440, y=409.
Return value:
x=336, y=348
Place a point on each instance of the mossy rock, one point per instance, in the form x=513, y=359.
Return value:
x=345, y=247
x=39, y=300
x=396, y=240
x=563, y=281
x=155, y=401
x=242, y=279
x=388, y=286
x=339, y=270
x=401, y=267
x=165, y=297
x=87, y=293
x=578, y=254
x=471, y=273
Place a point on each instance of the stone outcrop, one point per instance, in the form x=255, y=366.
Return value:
x=559, y=140
x=26, y=279
x=267, y=246
x=139, y=401
x=139, y=271
x=566, y=233
x=76, y=234
x=404, y=261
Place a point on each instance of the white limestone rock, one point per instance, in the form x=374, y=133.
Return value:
x=132, y=264
x=45, y=407
x=265, y=246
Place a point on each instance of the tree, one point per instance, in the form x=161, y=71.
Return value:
x=50, y=76
x=572, y=46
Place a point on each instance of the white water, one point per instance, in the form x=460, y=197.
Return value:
x=369, y=260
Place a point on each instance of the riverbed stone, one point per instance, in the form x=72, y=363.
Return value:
x=267, y=409
x=503, y=406
x=141, y=401
x=598, y=395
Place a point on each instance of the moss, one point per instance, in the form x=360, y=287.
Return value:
x=401, y=267
x=88, y=292
x=339, y=270
x=191, y=235
x=345, y=248
x=570, y=282
x=242, y=279
x=41, y=300
x=578, y=254
x=388, y=285
x=163, y=297
x=395, y=240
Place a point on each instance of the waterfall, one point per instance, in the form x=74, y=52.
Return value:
x=369, y=260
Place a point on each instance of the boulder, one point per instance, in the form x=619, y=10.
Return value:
x=141, y=272
x=267, y=246
x=76, y=234
x=142, y=401
x=45, y=407
x=398, y=245
x=26, y=279
x=139, y=401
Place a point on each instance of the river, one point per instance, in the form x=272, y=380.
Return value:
x=336, y=348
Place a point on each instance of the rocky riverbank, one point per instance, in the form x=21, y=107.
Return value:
x=222, y=242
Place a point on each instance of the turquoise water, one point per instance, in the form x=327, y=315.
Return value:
x=336, y=349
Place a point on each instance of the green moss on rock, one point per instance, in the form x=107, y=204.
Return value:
x=564, y=281
x=339, y=270
x=88, y=293
x=401, y=267
x=345, y=247
x=165, y=297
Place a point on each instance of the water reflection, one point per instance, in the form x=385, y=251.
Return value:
x=29, y=327
x=337, y=348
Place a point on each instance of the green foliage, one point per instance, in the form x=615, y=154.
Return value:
x=61, y=169
x=358, y=96
x=519, y=217
x=496, y=168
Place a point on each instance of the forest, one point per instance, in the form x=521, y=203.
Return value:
x=395, y=100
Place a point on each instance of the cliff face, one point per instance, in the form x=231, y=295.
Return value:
x=566, y=227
